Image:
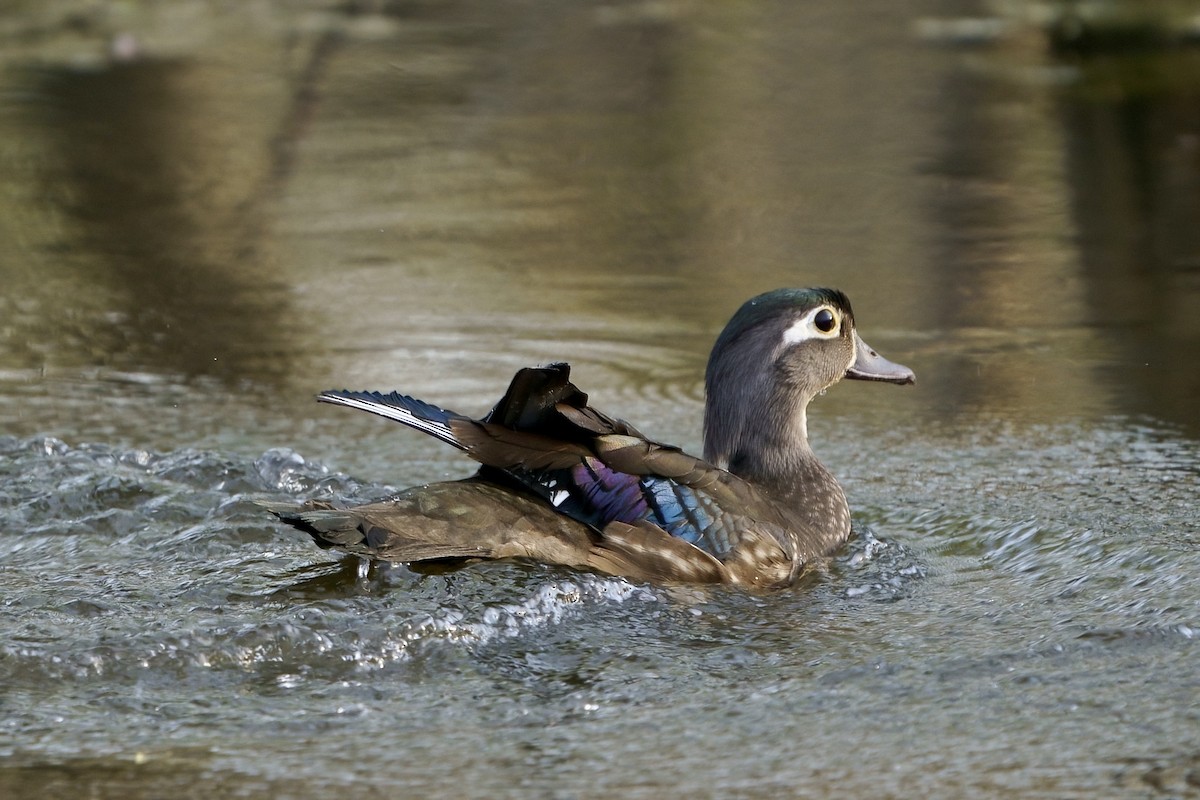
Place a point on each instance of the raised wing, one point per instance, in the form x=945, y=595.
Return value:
x=425, y=417
x=591, y=467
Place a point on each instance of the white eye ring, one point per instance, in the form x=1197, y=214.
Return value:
x=806, y=327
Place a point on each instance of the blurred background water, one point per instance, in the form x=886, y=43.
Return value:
x=210, y=211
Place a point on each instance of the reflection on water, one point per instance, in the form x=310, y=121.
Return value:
x=1135, y=166
x=226, y=212
x=158, y=208
x=304, y=200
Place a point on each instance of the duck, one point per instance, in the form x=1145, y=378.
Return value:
x=562, y=483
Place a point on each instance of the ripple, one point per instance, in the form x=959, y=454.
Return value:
x=628, y=372
x=550, y=604
x=155, y=590
x=163, y=546
x=877, y=569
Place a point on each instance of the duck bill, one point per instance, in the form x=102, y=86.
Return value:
x=870, y=366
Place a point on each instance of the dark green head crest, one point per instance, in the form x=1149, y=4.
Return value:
x=779, y=303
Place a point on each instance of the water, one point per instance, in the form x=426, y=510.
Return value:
x=207, y=218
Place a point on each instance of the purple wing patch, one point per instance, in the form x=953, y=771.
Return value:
x=609, y=496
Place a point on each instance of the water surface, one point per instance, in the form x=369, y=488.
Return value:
x=207, y=218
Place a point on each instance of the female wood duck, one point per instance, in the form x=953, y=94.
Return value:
x=563, y=483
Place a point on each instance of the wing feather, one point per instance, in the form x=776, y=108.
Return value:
x=401, y=408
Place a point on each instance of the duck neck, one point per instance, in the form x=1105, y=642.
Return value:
x=771, y=450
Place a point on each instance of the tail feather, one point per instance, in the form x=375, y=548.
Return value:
x=425, y=417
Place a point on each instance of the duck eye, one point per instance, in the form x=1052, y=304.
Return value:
x=825, y=320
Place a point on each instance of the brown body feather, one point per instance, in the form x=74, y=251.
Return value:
x=476, y=519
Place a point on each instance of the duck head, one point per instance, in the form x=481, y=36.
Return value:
x=779, y=351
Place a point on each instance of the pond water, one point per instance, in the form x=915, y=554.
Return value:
x=210, y=213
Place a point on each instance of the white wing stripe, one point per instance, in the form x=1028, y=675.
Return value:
x=396, y=413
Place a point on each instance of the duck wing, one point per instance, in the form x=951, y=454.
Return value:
x=601, y=471
x=417, y=414
x=658, y=511
x=534, y=402
x=460, y=521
